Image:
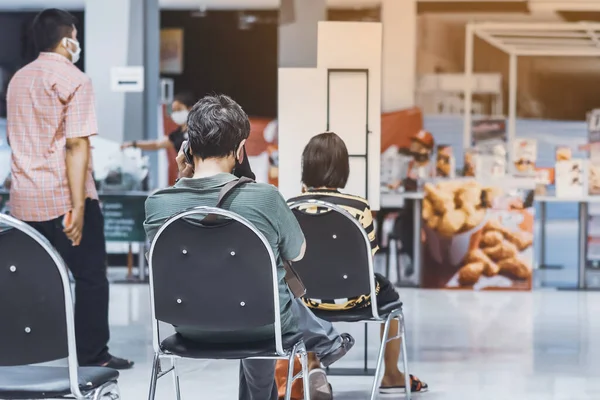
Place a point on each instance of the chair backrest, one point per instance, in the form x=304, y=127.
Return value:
x=338, y=262
x=217, y=276
x=36, y=307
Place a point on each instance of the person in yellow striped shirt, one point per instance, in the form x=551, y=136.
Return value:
x=325, y=170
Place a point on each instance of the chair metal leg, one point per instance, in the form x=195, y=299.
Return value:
x=382, y=347
x=306, y=383
x=109, y=391
x=402, y=328
x=176, y=379
x=290, y=374
x=154, y=376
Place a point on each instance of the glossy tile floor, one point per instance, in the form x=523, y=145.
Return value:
x=465, y=345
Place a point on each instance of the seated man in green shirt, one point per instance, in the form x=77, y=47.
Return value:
x=217, y=131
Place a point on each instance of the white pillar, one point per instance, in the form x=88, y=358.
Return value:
x=106, y=45
x=298, y=39
x=399, y=66
x=512, y=106
x=468, y=118
x=114, y=37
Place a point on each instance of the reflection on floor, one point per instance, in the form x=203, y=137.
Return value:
x=493, y=346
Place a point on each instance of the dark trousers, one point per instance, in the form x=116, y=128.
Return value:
x=87, y=263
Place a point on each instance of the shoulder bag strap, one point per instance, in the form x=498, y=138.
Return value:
x=226, y=191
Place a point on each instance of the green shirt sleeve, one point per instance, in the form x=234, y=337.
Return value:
x=153, y=220
x=291, y=237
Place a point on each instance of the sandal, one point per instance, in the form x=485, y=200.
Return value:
x=416, y=386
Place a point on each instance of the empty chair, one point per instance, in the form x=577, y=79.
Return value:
x=191, y=260
x=338, y=264
x=36, y=311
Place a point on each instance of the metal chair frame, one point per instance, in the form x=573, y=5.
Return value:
x=108, y=390
x=397, y=314
x=299, y=349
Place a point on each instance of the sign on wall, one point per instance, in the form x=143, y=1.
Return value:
x=127, y=79
x=171, y=51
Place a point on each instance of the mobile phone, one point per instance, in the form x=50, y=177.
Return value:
x=187, y=154
x=67, y=219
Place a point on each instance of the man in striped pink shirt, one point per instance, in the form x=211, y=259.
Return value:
x=50, y=119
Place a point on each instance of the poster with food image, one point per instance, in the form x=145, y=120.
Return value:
x=594, y=171
x=569, y=178
x=469, y=162
x=563, y=153
x=476, y=236
x=489, y=133
x=525, y=156
x=445, y=162
x=593, y=120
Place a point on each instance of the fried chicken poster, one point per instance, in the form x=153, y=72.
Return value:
x=477, y=237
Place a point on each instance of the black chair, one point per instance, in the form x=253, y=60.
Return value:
x=36, y=311
x=338, y=264
x=191, y=263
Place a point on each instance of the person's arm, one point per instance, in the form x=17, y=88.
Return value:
x=292, y=244
x=80, y=123
x=77, y=159
x=366, y=220
x=149, y=145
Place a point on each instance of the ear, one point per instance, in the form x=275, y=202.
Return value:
x=240, y=151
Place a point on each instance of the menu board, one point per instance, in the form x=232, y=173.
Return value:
x=124, y=216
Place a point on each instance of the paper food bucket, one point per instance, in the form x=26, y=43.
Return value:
x=452, y=250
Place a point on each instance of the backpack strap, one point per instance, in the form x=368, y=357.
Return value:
x=224, y=193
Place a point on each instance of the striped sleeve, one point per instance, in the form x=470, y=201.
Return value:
x=80, y=115
x=366, y=220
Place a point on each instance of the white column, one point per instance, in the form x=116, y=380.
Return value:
x=399, y=66
x=298, y=39
x=512, y=106
x=468, y=118
x=106, y=45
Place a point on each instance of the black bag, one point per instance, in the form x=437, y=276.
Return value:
x=291, y=276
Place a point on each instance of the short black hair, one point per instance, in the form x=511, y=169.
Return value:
x=186, y=98
x=216, y=127
x=50, y=26
x=325, y=162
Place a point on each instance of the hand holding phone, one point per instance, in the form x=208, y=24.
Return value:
x=186, y=153
x=185, y=162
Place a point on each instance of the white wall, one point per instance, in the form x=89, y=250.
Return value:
x=302, y=114
x=298, y=40
x=303, y=104
x=399, y=18
x=106, y=44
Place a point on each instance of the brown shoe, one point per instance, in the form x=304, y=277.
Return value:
x=320, y=389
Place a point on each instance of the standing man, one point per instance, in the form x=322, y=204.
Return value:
x=50, y=119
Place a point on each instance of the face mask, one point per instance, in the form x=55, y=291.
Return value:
x=420, y=157
x=180, y=117
x=74, y=54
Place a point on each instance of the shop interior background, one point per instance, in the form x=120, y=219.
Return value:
x=235, y=51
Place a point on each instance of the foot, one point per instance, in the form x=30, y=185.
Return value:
x=320, y=389
x=113, y=362
x=416, y=386
x=347, y=343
